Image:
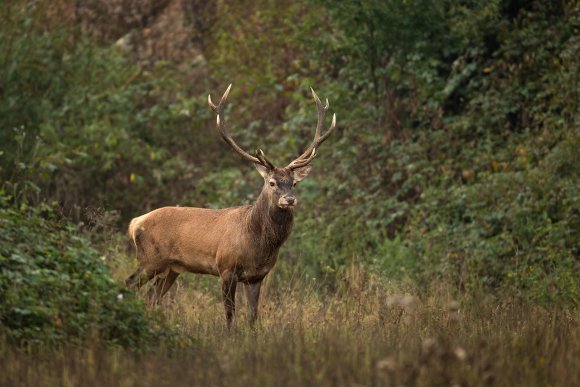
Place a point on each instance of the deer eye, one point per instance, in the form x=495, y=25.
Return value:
x=272, y=183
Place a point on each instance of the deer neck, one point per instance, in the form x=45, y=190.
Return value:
x=270, y=224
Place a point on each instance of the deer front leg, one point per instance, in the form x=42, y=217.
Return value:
x=253, y=296
x=229, y=283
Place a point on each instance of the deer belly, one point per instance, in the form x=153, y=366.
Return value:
x=199, y=266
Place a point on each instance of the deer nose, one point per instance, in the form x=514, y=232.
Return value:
x=290, y=200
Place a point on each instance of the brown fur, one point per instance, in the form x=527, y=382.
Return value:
x=239, y=244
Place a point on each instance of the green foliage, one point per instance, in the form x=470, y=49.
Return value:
x=56, y=287
x=513, y=230
x=75, y=123
x=453, y=174
x=454, y=157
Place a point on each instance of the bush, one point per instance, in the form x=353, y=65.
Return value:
x=55, y=287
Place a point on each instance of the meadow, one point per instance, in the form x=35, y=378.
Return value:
x=370, y=333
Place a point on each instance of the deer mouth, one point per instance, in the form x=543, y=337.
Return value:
x=286, y=204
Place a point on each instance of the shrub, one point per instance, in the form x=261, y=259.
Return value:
x=55, y=287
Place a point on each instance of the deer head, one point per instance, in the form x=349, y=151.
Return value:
x=279, y=183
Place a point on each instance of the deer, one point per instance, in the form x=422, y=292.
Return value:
x=238, y=244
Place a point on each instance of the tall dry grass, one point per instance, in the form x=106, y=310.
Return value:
x=367, y=334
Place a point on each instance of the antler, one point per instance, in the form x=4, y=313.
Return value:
x=260, y=158
x=310, y=153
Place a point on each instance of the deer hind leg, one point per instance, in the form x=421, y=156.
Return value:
x=139, y=278
x=229, y=284
x=161, y=286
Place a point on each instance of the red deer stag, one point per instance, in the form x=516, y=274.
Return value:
x=238, y=244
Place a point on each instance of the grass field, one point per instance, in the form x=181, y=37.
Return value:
x=366, y=334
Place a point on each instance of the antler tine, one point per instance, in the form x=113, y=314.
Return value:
x=321, y=115
x=310, y=153
x=260, y=158
x=299, y=163
x=219, y=107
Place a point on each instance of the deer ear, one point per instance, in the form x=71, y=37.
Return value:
x=262, y=170
x=301, y=173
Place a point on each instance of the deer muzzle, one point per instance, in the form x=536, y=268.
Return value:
x=287, y=201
